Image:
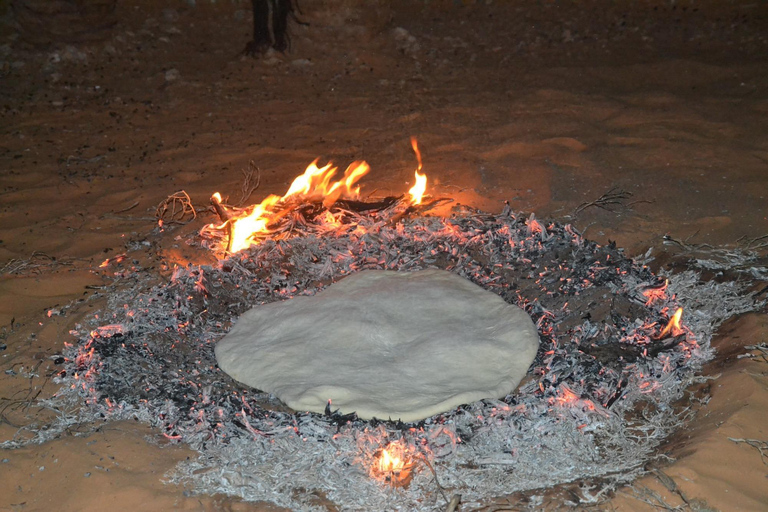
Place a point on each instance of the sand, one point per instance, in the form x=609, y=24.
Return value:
x=542, y=104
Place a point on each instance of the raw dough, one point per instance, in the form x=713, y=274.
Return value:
x=390, y=345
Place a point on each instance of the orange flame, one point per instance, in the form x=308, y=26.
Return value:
x=390, y=463
x=313, y=185
x=418, y=189
x=256, y=222
x=673, y=326
x=393, y=464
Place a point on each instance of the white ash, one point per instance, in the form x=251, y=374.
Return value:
x=575, y=418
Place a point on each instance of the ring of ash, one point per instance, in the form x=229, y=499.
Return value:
x=596, y=402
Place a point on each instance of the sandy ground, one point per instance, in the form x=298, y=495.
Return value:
x=542, y=104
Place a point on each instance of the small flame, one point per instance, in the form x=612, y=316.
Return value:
x=390, y=463
x=673, y=326
x=393, y=464
x=418, y=189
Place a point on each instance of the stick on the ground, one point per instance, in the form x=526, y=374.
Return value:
x=454, y=503
x=762, y=447
x=440, y=487
x=176, y=209
x=615, y=197
x=248, y=181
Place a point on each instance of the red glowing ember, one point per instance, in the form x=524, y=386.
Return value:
x=656, y=294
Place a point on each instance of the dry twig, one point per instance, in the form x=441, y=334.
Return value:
x=37, y=262
x=248, y=185
x=440, y=487
x=615, y=197
x=753, y=244
x=176, y=209
x=762, y=447
x=762, y=350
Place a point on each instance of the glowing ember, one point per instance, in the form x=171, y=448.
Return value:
x=656, y=294
x=393, y=466
x=674, y=327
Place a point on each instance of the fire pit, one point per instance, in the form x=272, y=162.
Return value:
x=614, y=356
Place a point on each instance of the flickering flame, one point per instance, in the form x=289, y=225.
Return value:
x=314, y=185
x=417, y=190
x=393, y=464
x=255, y=222
x=390, y=463
x=673, y=326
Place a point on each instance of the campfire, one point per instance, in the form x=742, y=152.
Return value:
x=312, y=194
x=597, y=401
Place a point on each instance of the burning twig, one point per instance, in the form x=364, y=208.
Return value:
x=224, y=217
x=614, y=197
x=674, y=326
x=176, y=209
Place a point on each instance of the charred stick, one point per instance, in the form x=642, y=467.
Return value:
x=362, y=206
x=219, y=208
x=224, y=216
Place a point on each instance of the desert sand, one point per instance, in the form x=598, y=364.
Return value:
x=545, y=104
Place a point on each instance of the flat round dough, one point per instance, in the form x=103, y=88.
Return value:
x=384, y=344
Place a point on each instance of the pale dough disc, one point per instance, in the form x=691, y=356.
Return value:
x=390, y=345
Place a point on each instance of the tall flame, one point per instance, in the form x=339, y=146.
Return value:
x=256, y=222
x=418, y=189
x=315, y=183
